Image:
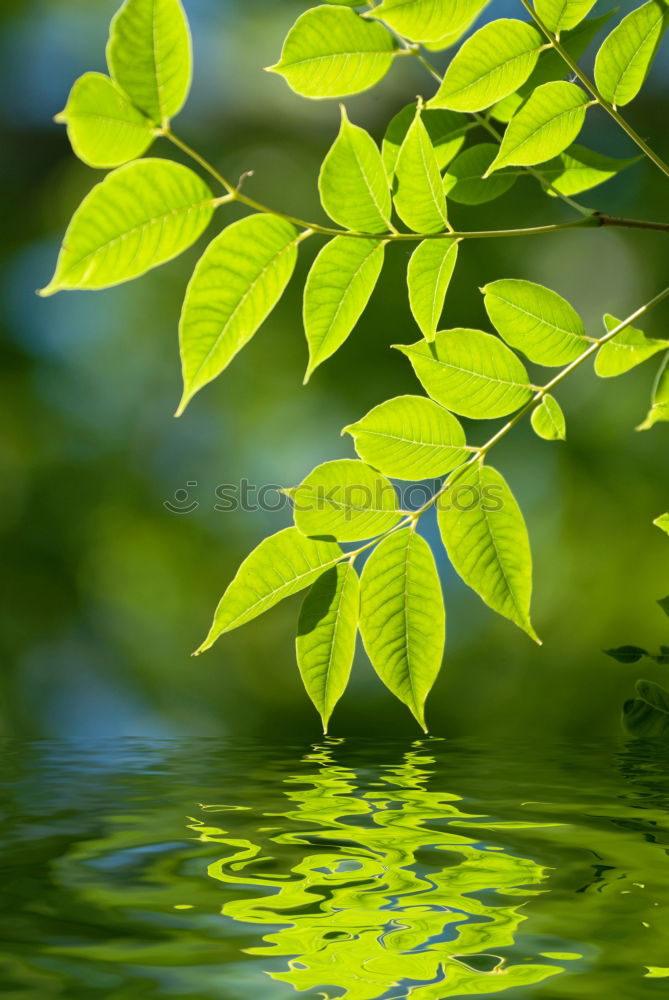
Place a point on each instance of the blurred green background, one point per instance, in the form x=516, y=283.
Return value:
x=106, y=592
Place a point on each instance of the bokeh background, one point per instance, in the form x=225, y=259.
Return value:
x=105, y=592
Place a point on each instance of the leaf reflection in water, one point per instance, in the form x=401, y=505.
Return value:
x=391, y=897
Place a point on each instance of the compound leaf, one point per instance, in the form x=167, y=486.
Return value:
x=429, y=274
x=562, y=15
x=626, y=55
x=326, y=633
x=548, y=420
x=149, y=56
x=466, y=180
x=484, y=533
x=470, y=372
x=494, y=62
x=281, y=565
x=402, y=617
x=659, y=409
x=336, y=293
x=333, y=52
x=627, y=350
x=446, y=129
x=410, y=437
x=536, y=321
x=346, y=500
x=104, y=128
x=236, y=284
x=545, y=125
x=138, y=217
x=353, y=183
x=419, y=194
x=427, y=20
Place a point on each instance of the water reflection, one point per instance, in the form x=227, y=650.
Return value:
x=204, y=871
x=388, y=895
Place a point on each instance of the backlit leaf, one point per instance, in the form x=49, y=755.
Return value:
x=551, y=65
x=402, y=617
x=427, y=20
x=333, y=52
x=326, y=634
x=236, y=284
x=410, y=437
x=138, y=217
x=662, y=522
x=464, y=179
x=345, y=499
x=353, y=183
x=494, y=62
x=446, y=129
x=428, y=275
x=281, y=565
x=485, y=537
x=626, y=55
x=647, y=715
x=419, y=193
x=454, y=36
x=659, y=409
x=535, y=320
x=471, y=373
x=579, y=169
x=546, y=124
x=548, y=420
x=104, y=128
x=149, y=56
x=627, y=350
x=337, y=290
x=561, y=15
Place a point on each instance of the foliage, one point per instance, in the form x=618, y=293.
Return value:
x=146, y=211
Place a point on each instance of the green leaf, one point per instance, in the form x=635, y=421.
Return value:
x=336, y=293
x=454, y=36
x=562, y=15
x=409, y=437
x=281, y=565
x=647, y=715
x=486, y=540
x=104, y=128
x=551, y=65
x=664, y=604
x=626, y=55
x=333, y=52
x=429, y=274
x=579, y=169
x=536, y=321
x=446, y=129
x=149, y=56
x=237, y=282
x=546, y=124
x=548, y=420
x=627, y=654
x=470, y=372
x=465, y=180
x=494, y=62
x=353, y=183
x=427, y=20
x=627, y=350
x=326, y=633
x=402, y=617
x=346, y=500
x=419, y=193
x=138, y=217
x=662, y=522
x=659, y=410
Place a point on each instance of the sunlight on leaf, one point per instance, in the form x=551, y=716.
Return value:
x=428, y=276
x=548, y=420
x=626, y=55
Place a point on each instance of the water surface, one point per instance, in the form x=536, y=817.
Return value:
x=204, y=870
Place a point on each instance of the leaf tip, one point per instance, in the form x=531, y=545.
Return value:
x=60, y=118
x=48, y=290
